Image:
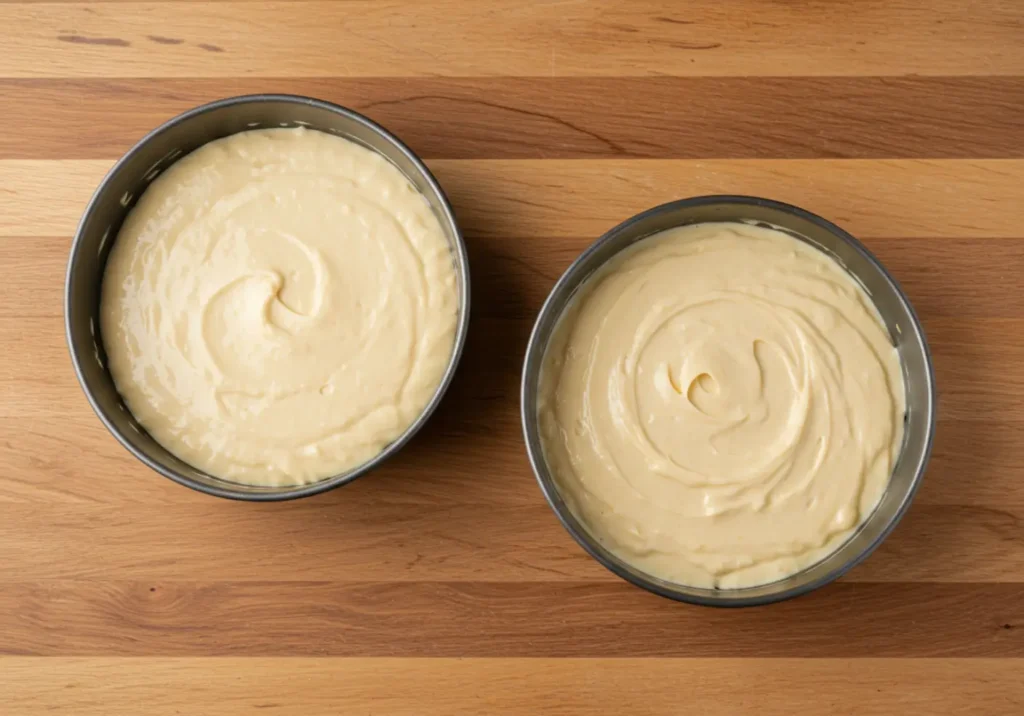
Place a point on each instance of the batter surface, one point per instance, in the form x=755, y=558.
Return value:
x=721, y=405
x=279, y=306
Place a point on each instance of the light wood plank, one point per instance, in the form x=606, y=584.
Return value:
x=512, y=277
x=41, y=465
x=977, y=363
x=974, y=464
x=555, y=118
x=510, y=687
x=941, y=198
x=508, y=619
x=868, y=197
x=507, y=37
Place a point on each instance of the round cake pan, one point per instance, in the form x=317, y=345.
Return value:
x=116, y=196
x=897, y=314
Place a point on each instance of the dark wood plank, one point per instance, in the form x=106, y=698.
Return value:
x=376, y=535
x=569, y=118
x=501, y=619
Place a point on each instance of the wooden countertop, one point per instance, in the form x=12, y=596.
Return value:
x=443, y=584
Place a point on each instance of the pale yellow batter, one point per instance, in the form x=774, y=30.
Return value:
x=279, y=306
x=721, y=405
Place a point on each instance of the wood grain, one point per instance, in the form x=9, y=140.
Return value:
x=39, y=384
x=363, y=38
x=491, y=619
x=415, y=541
x=512, y=277
x=974, y=464
x=940, y=198
x=566, y=118
x=518, y=687
x=442, y=583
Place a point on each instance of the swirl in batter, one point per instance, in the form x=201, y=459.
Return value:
x=721, y=405
x=279, y=306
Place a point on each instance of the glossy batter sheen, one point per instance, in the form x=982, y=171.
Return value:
x=721, y=405
x=279, y=306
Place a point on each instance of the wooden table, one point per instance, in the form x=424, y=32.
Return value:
x=443, y=584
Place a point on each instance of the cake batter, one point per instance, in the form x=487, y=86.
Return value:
x=721, y=405
x=279, y=306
